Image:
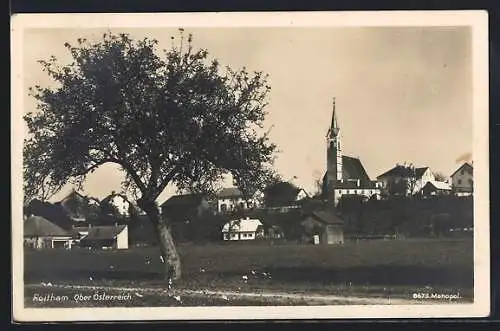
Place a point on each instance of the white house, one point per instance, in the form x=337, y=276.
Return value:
x=121, y=204
x=399, y=173
x=462, y=180
x=112, y=236
x=231, y=198
x=40, y=233
x=302, y=194
x=243, y=229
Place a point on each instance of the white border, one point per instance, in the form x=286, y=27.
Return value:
x=477, y=20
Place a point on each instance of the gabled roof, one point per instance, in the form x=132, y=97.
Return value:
x=466, y=166
x=183, y=201
x=352, y=168
x=243, y=225
x=327, y=216
x=305, y=192
x=104, y=232
x=402, y=171
x=72, y=194
x=37, y=226
x=112, y=196
x=54, y=213
x=438, y=185
x=229, y=192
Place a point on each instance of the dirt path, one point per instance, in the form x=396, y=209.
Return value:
x=268, y=296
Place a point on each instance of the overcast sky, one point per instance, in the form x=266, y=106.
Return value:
x=402, y=94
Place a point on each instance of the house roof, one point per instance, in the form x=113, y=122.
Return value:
x=229, y=192
x=37, y=226
x=466, y=166
x=104, y=232
x=183, y=201
x=54, y=213
x=327, y=216
x=243, y=225
x=352, y=168
x=402, y=171
x=302, y=190
x=438, y=185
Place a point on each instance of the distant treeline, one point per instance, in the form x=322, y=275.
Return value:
x=416, y=217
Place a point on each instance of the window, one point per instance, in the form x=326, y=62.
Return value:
x=462, y=172
x=223, y=207
x=459, y=182
x=243, y=235
x=242, y=205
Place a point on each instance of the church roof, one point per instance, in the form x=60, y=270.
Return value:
x=352, y=168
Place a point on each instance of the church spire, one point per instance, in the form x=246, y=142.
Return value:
x=334, y=127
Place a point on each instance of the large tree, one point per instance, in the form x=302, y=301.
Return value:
x=175, y=117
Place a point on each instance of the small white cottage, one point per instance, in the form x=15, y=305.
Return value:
x=243, y=229
x=40, y=233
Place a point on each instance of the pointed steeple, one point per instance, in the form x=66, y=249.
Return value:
x=334, y=127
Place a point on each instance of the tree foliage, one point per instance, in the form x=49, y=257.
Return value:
x=162, y=119
x=175, y=117
x=280, y=193
x=440, y=177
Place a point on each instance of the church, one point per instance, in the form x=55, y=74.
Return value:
x=345, y=175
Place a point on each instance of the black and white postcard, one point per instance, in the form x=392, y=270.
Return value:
x=242, y=166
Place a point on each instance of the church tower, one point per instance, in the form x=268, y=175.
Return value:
x=334, y=154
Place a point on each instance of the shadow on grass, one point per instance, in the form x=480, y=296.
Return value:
x=84, y=276
x=370, y=275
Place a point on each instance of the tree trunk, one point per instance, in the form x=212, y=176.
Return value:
x=168, y=250
x=172, y=262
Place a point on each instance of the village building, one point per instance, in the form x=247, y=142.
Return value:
x=40, y=233
x=344, y=174
x=462, y=180
x=436, y=188
x=302, y=194
x=323, y=227
x=74, y=205
x=106, y=237
x=412, y=179
x=120, y=202
x=54, y=213
x=183, y=212
x=230, y=199
x=80, y=232
x=243, y=229
x=186, y=207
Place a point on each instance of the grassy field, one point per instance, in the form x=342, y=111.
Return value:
x=378, y=268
